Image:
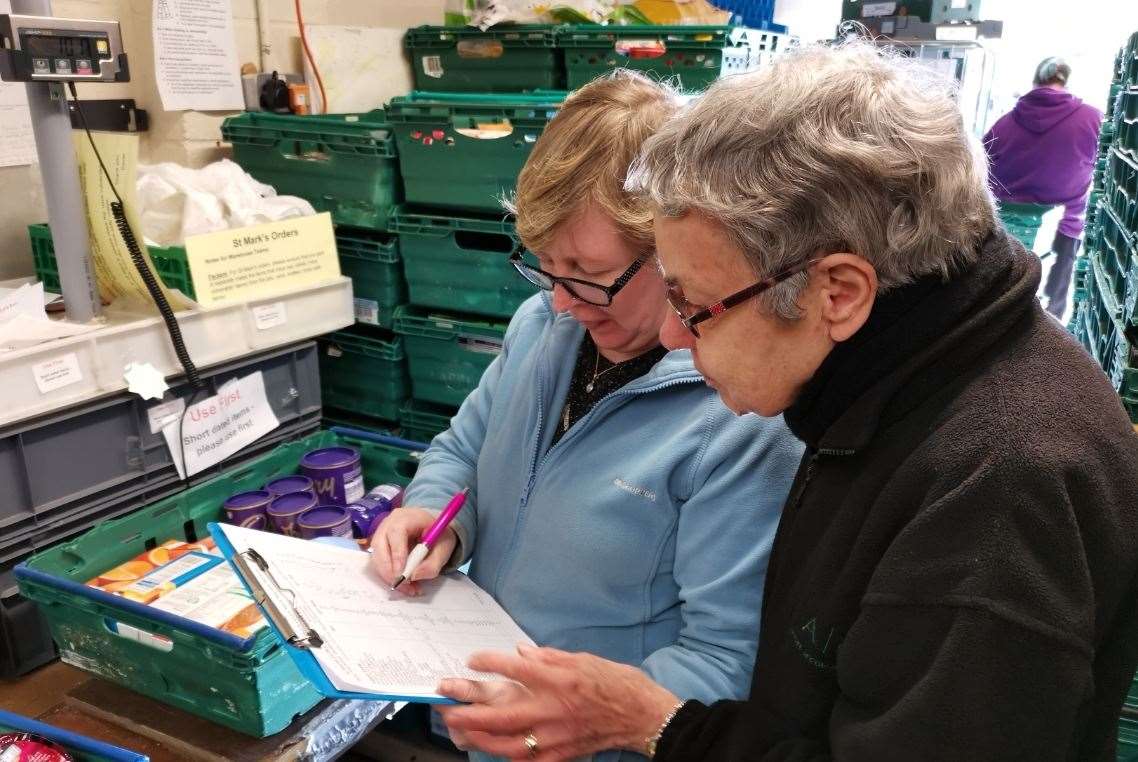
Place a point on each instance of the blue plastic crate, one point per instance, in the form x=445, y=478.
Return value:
x=82, y=748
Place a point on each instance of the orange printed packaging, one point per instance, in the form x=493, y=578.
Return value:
x=190, y=580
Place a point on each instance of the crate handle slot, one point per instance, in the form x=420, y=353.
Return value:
x=641, y=49
x=490, y=128
x=475, y=240
x=307, y=151
x=480, y=49
x=138, y=635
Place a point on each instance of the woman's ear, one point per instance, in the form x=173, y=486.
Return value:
x=848, y=287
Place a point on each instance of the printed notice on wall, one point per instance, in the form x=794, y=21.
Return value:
x=262, y=260
x=215, y=428
x=17, y=144
x=195, y=56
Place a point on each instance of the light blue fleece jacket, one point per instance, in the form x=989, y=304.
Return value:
x=642, y=536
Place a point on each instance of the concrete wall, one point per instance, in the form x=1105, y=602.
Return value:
x=187, y=137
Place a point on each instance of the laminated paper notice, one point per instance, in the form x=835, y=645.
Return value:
x=215, y=428
x=262, y=260
x=195, y=56
x=114, y=269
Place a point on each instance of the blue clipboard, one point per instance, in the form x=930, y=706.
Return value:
x=299, y=645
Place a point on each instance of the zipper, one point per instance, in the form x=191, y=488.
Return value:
x=604, y=403
x=535, y=465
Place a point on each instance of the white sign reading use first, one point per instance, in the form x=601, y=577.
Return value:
x=215, y=428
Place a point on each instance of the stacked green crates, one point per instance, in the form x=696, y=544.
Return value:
x=363, y=371
x=1106, y=280
x=447, y=353
x=460, y=155
x=463, y=151
x=422, y=421
x=345, y=164
x=460, y=262
x=340, y=163
x=692, y=57
x=505, y=59
x=482, y=100
x=371, y=259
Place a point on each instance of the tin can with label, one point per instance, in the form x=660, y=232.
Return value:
x=287, y=484
x=335, y=474
x=286, y=509
x=372, y=508
x=325, y=521
x=247, y=509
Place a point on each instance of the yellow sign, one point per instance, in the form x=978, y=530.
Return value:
x=262, y=260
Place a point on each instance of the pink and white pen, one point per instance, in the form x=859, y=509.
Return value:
x=427, y=541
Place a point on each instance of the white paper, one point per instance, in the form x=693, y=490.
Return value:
x=26, y=330
x=219, y=426
x=361, y=67
x=195, y=56
x=878, y=9
x=17, y=143
x=375, y=640
x=57, y=373
x=161, y=416
x=266, y=316
x=27, y=300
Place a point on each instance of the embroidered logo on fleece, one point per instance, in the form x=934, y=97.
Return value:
x=816, y=644
x=647, y=494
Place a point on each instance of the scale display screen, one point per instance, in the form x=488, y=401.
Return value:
x=52, y=46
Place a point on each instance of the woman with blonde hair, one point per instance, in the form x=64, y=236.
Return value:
x=617, y=506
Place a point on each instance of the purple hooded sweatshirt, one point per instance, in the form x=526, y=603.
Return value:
x=1043, y=152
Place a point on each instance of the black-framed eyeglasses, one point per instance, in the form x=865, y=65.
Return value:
x=582, y=290
x=692, y=315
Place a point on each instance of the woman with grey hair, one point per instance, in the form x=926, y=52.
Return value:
x=955, y=575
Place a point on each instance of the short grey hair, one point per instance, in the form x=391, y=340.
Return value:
x=1052, y=71
x=827, y=149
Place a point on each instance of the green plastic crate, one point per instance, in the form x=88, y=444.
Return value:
x=1120, y=187
x=364, y=372
x=346, y=418
x=170, y=262
x=423, y=421
x=341, y=163
x=252, y=686
x=443, y=160
x=446, y=354
x=1022, y=221
x=503, y=59
x=461, y=262
x=371, y=259
x=692, y=56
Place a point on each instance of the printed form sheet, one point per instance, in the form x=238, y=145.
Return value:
x=376, y=640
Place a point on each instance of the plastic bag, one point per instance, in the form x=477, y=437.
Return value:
x=176, y=202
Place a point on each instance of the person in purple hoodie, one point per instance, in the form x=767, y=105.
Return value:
x=1043, y=152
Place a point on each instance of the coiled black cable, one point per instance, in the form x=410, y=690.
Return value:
x=118, y=211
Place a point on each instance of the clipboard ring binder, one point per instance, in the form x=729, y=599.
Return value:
x=307, y=638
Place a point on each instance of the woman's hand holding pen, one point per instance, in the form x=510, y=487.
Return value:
x=395, y=538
